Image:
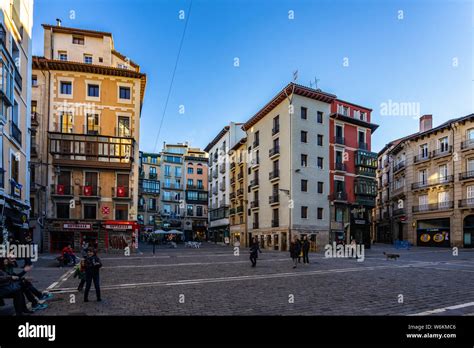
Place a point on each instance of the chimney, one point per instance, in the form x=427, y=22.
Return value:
x=426, y=123
x=58, y=22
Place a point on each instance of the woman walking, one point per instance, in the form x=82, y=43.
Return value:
x=93, y=265
x=254, y=250
x=295, y=249
x=305, y=248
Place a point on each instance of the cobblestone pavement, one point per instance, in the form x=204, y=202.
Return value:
x=212, y=281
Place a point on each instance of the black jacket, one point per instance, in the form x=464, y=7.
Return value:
x=254, y=249
x=295, y=249
x=93, y=264
x=5, y=278
x=305, y=246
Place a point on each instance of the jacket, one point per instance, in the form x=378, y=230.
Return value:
x=5, y=278
x=93, y=264
x=305, y=246
x=295, y=249
x=254, y=249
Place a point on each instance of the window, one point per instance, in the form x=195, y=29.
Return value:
x=199, y=171
x=124, y=93
x=470, y=165
x=93, y=90
x=62, y=210
x=345, y=111
x=443, y=199
x=423, y=202
x=190, y=210
x=78, y=40
x=320, y=187
x=256, y=139
x=167, y=170
x=443, y=173
x=66, y=125
x=363, y=116
x=92, y=124
x=123, y=126
x=304, y=136
x=422, y=177
x=90, y=211
x=87, y=58
x=443, y=144
x=304, y=212
x=320, y=213
x=320, y=140
x=304, y=185
x=177, y=172
x=304, y=160
x=151, y=220
x=14, y=168
x=304, y=113
x=190, y=182
x=121, y=212
x=34, y=81
x=361, y=136
x=276, y=124
x=320, y=163
x=424, y=151
x=320, y=117
x=151, y=203
x=65, y=87
x=199, y=184
x=190, y=170
x=198, y=210
x=62, y=55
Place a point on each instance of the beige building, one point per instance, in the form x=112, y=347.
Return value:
x=288, y=150
x=16, y=21
x=88, y=99
x=238, y=194
x=426, y=185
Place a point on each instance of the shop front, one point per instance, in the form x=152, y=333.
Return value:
x=360, y=225
x=120, y=234
x=74, y=233
x=219, y=234
x=468, y=232
x=433, y=233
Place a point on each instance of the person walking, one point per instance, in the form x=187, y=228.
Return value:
x=295, y=250
x=92, y=266
x=254, y=250
x=305, y=248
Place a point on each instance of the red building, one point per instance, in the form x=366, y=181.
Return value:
x=352, y=172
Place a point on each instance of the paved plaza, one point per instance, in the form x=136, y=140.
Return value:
x=213, y=281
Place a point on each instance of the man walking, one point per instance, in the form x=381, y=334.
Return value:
x=93, y=265
x=295, y=250
x=254, y=249
x=305, y=248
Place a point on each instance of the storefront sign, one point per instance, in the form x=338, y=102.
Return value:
x=77, y=226
x=359, y=222
x=119, y=227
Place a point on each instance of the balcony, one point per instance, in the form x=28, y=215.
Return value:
x=222, y=168
x=222, y=186
x=397, y=191
x=232, y=211
x=466, y=203
x=171, y=186
x=214, y=174
x=276, y=223
x=105, y=152
x=363, y=146
x=274, y=199
x=255, y=162
x=240, y=192
x=365, y=200
x=209, y=178
x=339, y=140
x=399, y=166
x=339, y=196
x=365, y=171
x=195, y=187
x=16, y=133
x=276, y=129
x=466, y=175
x=214, y=190
x=432, y=182
x=255, y=225
x=254, y=204
x=422, y=157
x=152, y=209
x=121, y=192
x=232, y=196
x=433, y=207
x=467, y=144
x=170, y=198
x=399, y=212
x=232, y=180
x=274, y=152
x=341, y=167
x=443, y=151
x=240, y=176
x=254, y=183
x=89, y=191
x=152, y=176
x=232, y=166
x=240, y=209
x=34, y=119
x=275, y=174
x=62, y=190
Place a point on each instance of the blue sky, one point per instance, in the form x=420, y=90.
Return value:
x=426, y=57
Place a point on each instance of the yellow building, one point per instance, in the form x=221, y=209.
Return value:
x=16, y=20
x=88, y=98
x=426, y=186
x=238, y=194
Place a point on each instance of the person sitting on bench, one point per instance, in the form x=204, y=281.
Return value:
x=10, y=287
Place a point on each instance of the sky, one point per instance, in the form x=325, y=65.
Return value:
x=383, y=55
